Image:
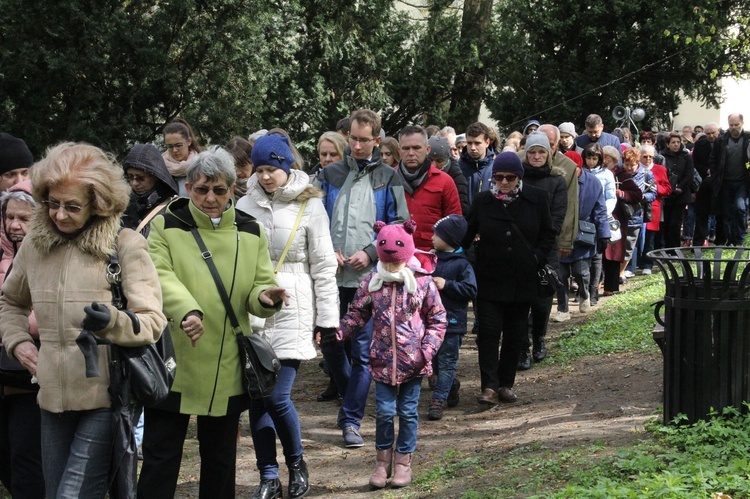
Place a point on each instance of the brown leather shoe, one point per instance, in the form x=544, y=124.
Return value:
x=488, y=397
x=506, y=395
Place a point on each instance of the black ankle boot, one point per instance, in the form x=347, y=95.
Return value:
x=299, y=485
x=268, y=489
x=330, y=393
x=540, y=349
x=524, y=361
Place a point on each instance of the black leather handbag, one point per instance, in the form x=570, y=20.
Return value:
x=148, y=369
x=547, y=280
x=259, y=365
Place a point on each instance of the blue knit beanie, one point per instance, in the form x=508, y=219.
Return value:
x=272, y=150
x=508, y=162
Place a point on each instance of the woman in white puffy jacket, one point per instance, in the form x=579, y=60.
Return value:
x=275, y=195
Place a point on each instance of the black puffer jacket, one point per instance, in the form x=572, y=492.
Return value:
x=462, y=186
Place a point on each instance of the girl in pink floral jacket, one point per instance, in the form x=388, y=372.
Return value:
x=409, y=324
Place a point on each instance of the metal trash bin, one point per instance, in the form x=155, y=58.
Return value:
x=706, y=336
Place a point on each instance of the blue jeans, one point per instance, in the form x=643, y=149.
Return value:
x=638, y=251
x=733, y=200
x=352, y=380
x=76, y=451
x=445, y=365
x=402, y=400
x=580, y=269
x=276, y=415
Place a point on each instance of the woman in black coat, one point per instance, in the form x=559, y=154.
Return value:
x=507, y=263
x=679, y=165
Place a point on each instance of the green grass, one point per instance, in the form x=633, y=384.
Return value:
x=622, y=323
x=674, y=461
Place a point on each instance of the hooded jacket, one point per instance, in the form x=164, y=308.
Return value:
x=478, y=172
x=408, y=329
x=208, y=379
x=355, y=199
x=166, y=187
x=309, y=269
x=460, y=288
x=58, y=277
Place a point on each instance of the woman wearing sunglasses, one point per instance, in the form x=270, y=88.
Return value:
x=514, y=233
x=208, y=382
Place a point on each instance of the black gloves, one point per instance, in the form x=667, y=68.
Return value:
x=601, y=245
x=327, y=335
x=97, y=317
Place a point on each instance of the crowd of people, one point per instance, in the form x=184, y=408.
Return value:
x=374, y=256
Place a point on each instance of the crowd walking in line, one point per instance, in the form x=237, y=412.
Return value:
x=370, y=259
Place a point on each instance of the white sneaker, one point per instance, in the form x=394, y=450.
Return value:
x=561, y=317
x=629, y=274
x=646, y=272
x=584, y=307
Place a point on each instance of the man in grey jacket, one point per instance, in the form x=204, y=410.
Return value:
x=357, y=191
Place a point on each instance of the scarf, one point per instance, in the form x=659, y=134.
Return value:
x=382, y=276
x=507, y=198
x=178, y=168
x=415, y=179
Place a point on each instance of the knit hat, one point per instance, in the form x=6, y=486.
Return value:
x=577, y=159
x=272, y=150
x=568, y=128
x=14, y=153
x=440, y=148
x=451, y=229
x=531, y=123
x=508, y=162
x=395, y=242
x=460, y=138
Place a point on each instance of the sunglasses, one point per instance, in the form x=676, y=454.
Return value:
x=135, y=178
x=499, y=177
x=218, y=190
x=70, y=208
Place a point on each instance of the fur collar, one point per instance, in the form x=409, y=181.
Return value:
x=98, y=240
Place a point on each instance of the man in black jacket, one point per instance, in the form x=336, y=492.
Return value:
x=701, y=156
x=729, y=170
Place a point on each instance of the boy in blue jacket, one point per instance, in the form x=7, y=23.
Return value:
x=455, y=280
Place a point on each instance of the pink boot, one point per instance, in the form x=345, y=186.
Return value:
x=382, y=473
x=402, y=476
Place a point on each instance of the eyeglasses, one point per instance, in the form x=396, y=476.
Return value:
x=360, y=140
x=70, y=208
x=646, y=156
x=218, y=190
x=499, y=177
x=135, y=178
x=175, y=146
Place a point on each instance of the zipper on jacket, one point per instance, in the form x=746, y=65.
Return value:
x=61, y=299
x=393, y=333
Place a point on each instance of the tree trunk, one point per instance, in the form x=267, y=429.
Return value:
x=468, y=86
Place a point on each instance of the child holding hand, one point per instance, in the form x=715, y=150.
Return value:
x=409, y=323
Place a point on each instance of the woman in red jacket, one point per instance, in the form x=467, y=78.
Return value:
x=663, y=189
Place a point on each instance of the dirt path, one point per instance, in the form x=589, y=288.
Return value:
x=596, y=398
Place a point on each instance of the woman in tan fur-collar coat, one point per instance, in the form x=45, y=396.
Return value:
x=60, y=273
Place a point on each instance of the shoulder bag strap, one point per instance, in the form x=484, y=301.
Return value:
x=520, y=234
x=291, y=237
x=208, y=257
x=153, y=213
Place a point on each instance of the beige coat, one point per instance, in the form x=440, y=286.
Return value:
x=58, y=278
